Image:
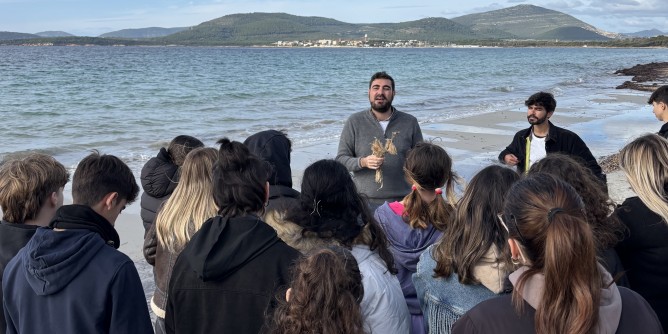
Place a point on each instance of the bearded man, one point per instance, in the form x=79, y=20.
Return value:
x=384, y=123
x=543, y=137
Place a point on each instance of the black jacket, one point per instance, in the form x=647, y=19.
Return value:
x=498, y=315
x=558, y=140
x=663, y=132
x=274, y=147
x=159, y=178
x=12, y=238
x=227, y=277
x=644, y=254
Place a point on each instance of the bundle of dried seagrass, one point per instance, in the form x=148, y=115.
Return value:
x=379, y=150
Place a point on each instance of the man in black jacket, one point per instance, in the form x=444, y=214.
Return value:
x=543, y=137
x=659, y=102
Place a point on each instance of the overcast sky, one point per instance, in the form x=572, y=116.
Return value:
x=93, y=17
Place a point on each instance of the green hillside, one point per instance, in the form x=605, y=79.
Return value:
x=8, y=35
x=571, y=34
x=526, y=22
x=142, y=32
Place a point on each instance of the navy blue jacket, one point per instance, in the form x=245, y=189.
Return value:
x=72, y=281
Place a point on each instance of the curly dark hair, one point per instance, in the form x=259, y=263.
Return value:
x=324, y=296
x=331, y=208
x=599, y=207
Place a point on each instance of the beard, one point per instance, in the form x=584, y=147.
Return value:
x=533, y=120
x=381, y=106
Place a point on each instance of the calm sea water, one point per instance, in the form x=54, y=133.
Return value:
x=130, y=101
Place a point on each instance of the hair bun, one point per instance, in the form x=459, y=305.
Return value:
x=232, y=155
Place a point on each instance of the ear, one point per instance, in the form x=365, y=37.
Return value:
x=54, y=199
x=550, y=114
x=109, y=201
x=516, y=251
x=287, y=294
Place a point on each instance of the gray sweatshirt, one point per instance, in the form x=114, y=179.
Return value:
x=358, y=133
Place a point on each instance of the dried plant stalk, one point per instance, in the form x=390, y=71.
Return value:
x=379, y=150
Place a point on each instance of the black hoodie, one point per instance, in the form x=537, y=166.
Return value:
x=227, y=277
x=274, y=147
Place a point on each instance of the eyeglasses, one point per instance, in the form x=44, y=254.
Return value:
x=505, y=226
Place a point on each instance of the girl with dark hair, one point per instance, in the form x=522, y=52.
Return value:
x=466, y=265
x=417, y=221
x=560, y=287
x=598, y=207
x=227, y=276
x=326, y=282
x=331, y=211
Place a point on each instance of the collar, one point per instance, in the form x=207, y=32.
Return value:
x=83, y=217
x=552, y=135
x=392, y=114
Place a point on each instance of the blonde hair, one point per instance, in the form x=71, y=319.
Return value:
x=192, y=202
x=645, y=163
x=26, y=183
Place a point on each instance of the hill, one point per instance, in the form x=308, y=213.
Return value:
x=528, y=22
x=571, y=34
x=8, y=35
x=647, y=33
x=143, y=32
x=53, y=34
x=268, y=28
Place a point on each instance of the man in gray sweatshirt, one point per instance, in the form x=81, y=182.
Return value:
x=382, y=122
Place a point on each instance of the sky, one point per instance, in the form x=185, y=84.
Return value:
x=93, y=17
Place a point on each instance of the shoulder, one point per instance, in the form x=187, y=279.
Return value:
x=636, y=310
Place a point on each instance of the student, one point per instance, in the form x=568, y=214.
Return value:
x=31, y=190
x=225, y=279
x=467, y=265
x=181, y=216
x=599, y=207
x=560, y=287
x=70, y=277
x=160, y=175
x=418, y=220
x=324, y=296
x=644, y=250
x=332, y=212
x=659, y=102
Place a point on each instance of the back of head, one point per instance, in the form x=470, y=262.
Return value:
x=543, y=99
x=381, y=75
x=659, y=95
x=430, y=167
x=100, y=174
x=645, y=163
x=274, y=147
x=192, y=202
x=545, y=215
x=26, y=183
x=598, y=204
x=475, y=226
x=180, y=146
x=239, y=179
x=325, y=282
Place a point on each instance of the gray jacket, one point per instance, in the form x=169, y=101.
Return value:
x=357, y=136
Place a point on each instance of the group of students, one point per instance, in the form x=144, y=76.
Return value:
x=236, y=249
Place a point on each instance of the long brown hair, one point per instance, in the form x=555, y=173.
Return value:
x=598, y=205
x=430, y=167
x=325, y=296
x=545, y=215
x=474, y=228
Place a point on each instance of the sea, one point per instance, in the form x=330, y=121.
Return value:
x=130, y=101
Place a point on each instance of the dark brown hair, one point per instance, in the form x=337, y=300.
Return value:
x=545, y=215
x=598, y=205
x=325, y=297
x=475, y=227
x=429, y=166
x=100, y=174
x=180, y=146
x=239, y=180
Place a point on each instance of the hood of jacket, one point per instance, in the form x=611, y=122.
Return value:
x=406, y=243
x=160, y=175
x=274, y=147
x=54, y=258
x=609, y=308
x=224, y=245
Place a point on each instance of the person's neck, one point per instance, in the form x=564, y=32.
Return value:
x=382, y=116
x=541, y=130
x=43, y=218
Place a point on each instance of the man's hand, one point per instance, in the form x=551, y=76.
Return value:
x=510, y=159
x=371, y=162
